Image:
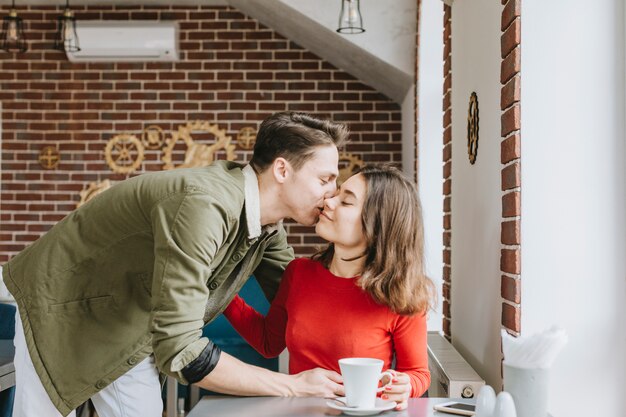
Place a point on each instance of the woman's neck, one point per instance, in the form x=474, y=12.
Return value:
x=347, y=263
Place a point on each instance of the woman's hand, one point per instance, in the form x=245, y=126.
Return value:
x=399, y=390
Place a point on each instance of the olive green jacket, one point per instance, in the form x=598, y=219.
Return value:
x=138, y=270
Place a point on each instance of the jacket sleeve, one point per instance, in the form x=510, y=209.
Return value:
x=188, y=229
x=265, y=334
x=410, y=344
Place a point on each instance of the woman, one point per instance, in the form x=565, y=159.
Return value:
x=365, y=295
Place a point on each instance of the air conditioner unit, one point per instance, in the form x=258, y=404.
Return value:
x=450, y=375
x=129, y=41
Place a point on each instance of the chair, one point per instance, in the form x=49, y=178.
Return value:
x=226, y=337
x=7, y=332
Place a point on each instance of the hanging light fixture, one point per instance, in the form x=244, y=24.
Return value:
x=350, y=19
x=13, y=39
x=66, y=37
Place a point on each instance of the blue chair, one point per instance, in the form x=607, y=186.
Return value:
x=224, y=335
x=7, y=332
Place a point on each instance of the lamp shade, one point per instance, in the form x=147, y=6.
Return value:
x=13, y=39
x=66, y=38
x=350, y=19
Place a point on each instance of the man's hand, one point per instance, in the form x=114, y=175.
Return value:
x=318, y=382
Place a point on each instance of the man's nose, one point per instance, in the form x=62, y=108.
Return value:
x=329, y=203
x=332, y=189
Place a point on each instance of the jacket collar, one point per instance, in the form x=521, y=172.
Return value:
x=253, y=205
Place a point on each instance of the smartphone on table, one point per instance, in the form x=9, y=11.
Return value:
x=455, y=407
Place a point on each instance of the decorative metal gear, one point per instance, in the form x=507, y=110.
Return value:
x=246, y=138
x=49, y=157
x=124, y=153
x=197, y=154
x=93, y=190
x=152, y=137
x=350, y=164
x=472, y=128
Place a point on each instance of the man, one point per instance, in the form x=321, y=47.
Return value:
x=123, y=285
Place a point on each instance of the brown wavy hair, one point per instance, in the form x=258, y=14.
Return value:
x=392, y=223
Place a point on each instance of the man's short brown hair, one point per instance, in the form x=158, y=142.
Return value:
x=294, y=136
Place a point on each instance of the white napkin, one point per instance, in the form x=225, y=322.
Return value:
x=534, y=351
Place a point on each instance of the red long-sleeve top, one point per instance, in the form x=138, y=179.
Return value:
x=321, y=318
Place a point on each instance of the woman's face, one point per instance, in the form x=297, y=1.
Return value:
x=340, y=222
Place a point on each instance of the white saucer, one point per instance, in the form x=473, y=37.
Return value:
x=380, y=406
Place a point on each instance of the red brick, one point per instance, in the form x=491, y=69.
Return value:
x=510, y=92
x=511, y=176
x=447, y=117
x=447, y=100
x=510, y=289
x=446, y=256
x=511, y=317
x=510, y=261
x=446, y=273
x=446, y=308
x=446, y=238
x=511, y=204
x=510, y=232
x=511, y=38
x=510, y=120
x=446, y=292
x=447, y=152
x=447, y=82
x=511, y=11
x=447, y=137
x=510, y=65
x=510, y=149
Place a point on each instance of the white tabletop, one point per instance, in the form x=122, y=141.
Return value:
x=222, y=406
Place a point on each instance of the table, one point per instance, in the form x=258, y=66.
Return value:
x=7, y=370
x=225, y=406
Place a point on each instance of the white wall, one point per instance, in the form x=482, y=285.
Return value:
x=573, y=197
x=476, y=195
x=430, y=143
x=389, y=27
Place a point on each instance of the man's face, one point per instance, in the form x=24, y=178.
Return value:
x=306, y=189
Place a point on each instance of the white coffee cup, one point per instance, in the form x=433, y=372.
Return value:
x=360, y=380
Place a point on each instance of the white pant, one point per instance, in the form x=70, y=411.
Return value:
x=137, y=393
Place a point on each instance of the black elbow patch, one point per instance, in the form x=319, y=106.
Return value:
x=203, y=364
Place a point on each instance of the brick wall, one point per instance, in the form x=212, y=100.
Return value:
x=233, y=71
x=510, y=260
x=447, y=167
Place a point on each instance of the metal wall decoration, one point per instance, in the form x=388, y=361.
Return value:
x=93, y=190
x=472, y=128
x=246, y=138
x=49, y=157
x=348, y=164
x=124, y=153
x=152, y=137
x=198, y=154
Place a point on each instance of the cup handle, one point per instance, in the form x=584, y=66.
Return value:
x=384, y=374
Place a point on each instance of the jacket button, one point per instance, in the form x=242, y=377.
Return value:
x=236, y=257
x=213, y=285
x=132, y=360
x=101, y=384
